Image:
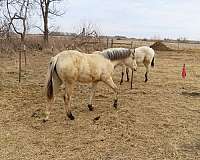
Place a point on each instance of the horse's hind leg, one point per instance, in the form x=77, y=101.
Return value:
x=48, y=109
x=93, y=89
x=146, y=77
x=111, y=84
x=67, y=99
x=147, y=71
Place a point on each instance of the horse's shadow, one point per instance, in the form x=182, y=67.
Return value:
x=193, y=94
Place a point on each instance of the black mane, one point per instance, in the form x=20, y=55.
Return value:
x=116, y=53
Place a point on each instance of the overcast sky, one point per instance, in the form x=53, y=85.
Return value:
x=134, y=18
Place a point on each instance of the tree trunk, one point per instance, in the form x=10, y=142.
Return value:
x=20, y=65
x=46, y=34
x=46, y=30
x=20, y=55
x=23, y=47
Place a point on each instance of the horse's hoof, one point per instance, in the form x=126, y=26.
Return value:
x=44, y=120
x=70, y=116
x=90, y=107
x=121, y=83
x=96, y=118
x=146, y=80
x=115, y=103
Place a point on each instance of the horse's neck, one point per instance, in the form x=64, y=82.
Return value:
x=116, y=62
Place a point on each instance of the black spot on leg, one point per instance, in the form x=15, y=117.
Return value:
x=115, y=103
x=127, y=71
x=90, y=107
x=96, y=118
x=44, y=120
x=122, y=78
x=127, y=78
x=70, y=116
x=146, y=78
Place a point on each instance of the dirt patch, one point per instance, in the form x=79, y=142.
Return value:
x=159, y=46
x=153, y=120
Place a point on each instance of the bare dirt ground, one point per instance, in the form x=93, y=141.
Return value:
x=159, y=119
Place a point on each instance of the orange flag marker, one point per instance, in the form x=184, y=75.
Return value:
x=183, y=71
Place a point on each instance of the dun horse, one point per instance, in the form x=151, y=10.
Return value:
x=69, y=67
x=143, y=55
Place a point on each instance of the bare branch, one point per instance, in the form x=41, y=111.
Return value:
x=20, y=9
x=48, y=8
x=56, y=12
x=39, y=28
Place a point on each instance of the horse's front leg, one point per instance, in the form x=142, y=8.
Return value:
x=112, y=85
x=123, y=71
x=127, y=71
x=93, y=89
x=67, y=99
x=132, y=79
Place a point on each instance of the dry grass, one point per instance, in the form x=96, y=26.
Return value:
x=159, y=119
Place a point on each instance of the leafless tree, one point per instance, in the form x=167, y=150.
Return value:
x=4, y=28
x=17, y=17
x=1, y=3
x=86, y=39
x=48, y=9
x=17, y=11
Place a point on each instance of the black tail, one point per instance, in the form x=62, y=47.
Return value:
x=152, y=62
x=50, y=86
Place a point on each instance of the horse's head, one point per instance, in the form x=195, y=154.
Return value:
x=131, y=61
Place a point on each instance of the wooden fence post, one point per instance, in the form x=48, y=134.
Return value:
x=24, y=50
x=52, y=49
x=178, y=45
x=111, y=43
x=20, y=64
x=107, y=43
x=131, y=44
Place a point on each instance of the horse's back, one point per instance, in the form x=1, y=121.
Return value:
x=144, y=53
x=99, y=62
x=145, y=50
x=94, y=67
x=97, y=52
x=76, y=66
x=69, y=58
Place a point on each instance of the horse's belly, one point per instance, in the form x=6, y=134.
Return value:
x=88, y=73
x=139, y=60
x=87, y=77
x=84, y=78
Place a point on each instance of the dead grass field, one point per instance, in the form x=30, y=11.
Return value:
x=159, y=119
